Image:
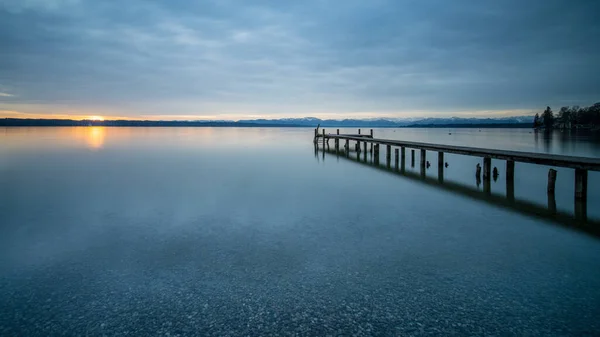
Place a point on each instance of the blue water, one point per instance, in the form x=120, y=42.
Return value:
x=226, y=231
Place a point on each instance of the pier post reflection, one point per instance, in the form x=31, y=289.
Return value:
x=581, y=209
x=510, y=190
x=552, y=203
x=577, y=220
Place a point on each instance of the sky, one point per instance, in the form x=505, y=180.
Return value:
x=188, y=59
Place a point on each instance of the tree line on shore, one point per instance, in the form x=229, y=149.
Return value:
x=569, y=117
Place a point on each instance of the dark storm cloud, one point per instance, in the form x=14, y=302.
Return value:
x=188, y=57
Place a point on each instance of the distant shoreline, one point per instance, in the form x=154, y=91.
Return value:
x=17, y=122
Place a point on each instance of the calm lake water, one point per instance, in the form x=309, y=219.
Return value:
x=250, y=231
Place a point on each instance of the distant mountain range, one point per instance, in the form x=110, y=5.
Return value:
x=521, y=121
x=394, y=122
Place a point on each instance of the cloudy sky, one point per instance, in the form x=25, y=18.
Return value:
x=187, y=59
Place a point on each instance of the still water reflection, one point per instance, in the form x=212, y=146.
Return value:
x=229, y=231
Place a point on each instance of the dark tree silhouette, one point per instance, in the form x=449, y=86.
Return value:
x=536, y=120
x=570, y=117
x=548, y=117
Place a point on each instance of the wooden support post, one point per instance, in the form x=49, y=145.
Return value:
x=316, y=133
x=371, y=133
x=441, y=166
x=376, y=154
x=412, y=158
x=323, y=139
x=338, y=132
x=388, y=155
x=365, y=150
x=402, y=156
x=347, y=147
x=359, y=131
x=423, y=157
x=581, y=184
x=551, y=181
x=487, y=168
x=396, y=157
x=510, y=170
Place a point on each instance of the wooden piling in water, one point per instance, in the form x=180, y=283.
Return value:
x=359, y=131
x=402, y=155
x=510, y=170
x=347, y=146
x=581, y=184
x=551, y=181
x=423, y=157
x=388, y=154
x=376, y=154
x=412, y=158
x=441, y=166
x=396, y=157
x=487, y=168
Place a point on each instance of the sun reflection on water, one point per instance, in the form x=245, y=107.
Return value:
x=95, y=136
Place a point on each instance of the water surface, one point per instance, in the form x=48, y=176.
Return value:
x=232, y=231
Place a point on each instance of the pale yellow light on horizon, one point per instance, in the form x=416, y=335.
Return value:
x=241, y=117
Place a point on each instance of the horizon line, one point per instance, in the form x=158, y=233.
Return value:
x=134, y=119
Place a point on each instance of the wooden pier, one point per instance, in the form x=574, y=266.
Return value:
x=581, y=165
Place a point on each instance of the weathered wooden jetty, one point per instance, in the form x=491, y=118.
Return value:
x=581, y=165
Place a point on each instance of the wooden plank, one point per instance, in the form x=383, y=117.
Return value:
x=345, y=135
x=584, y=163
